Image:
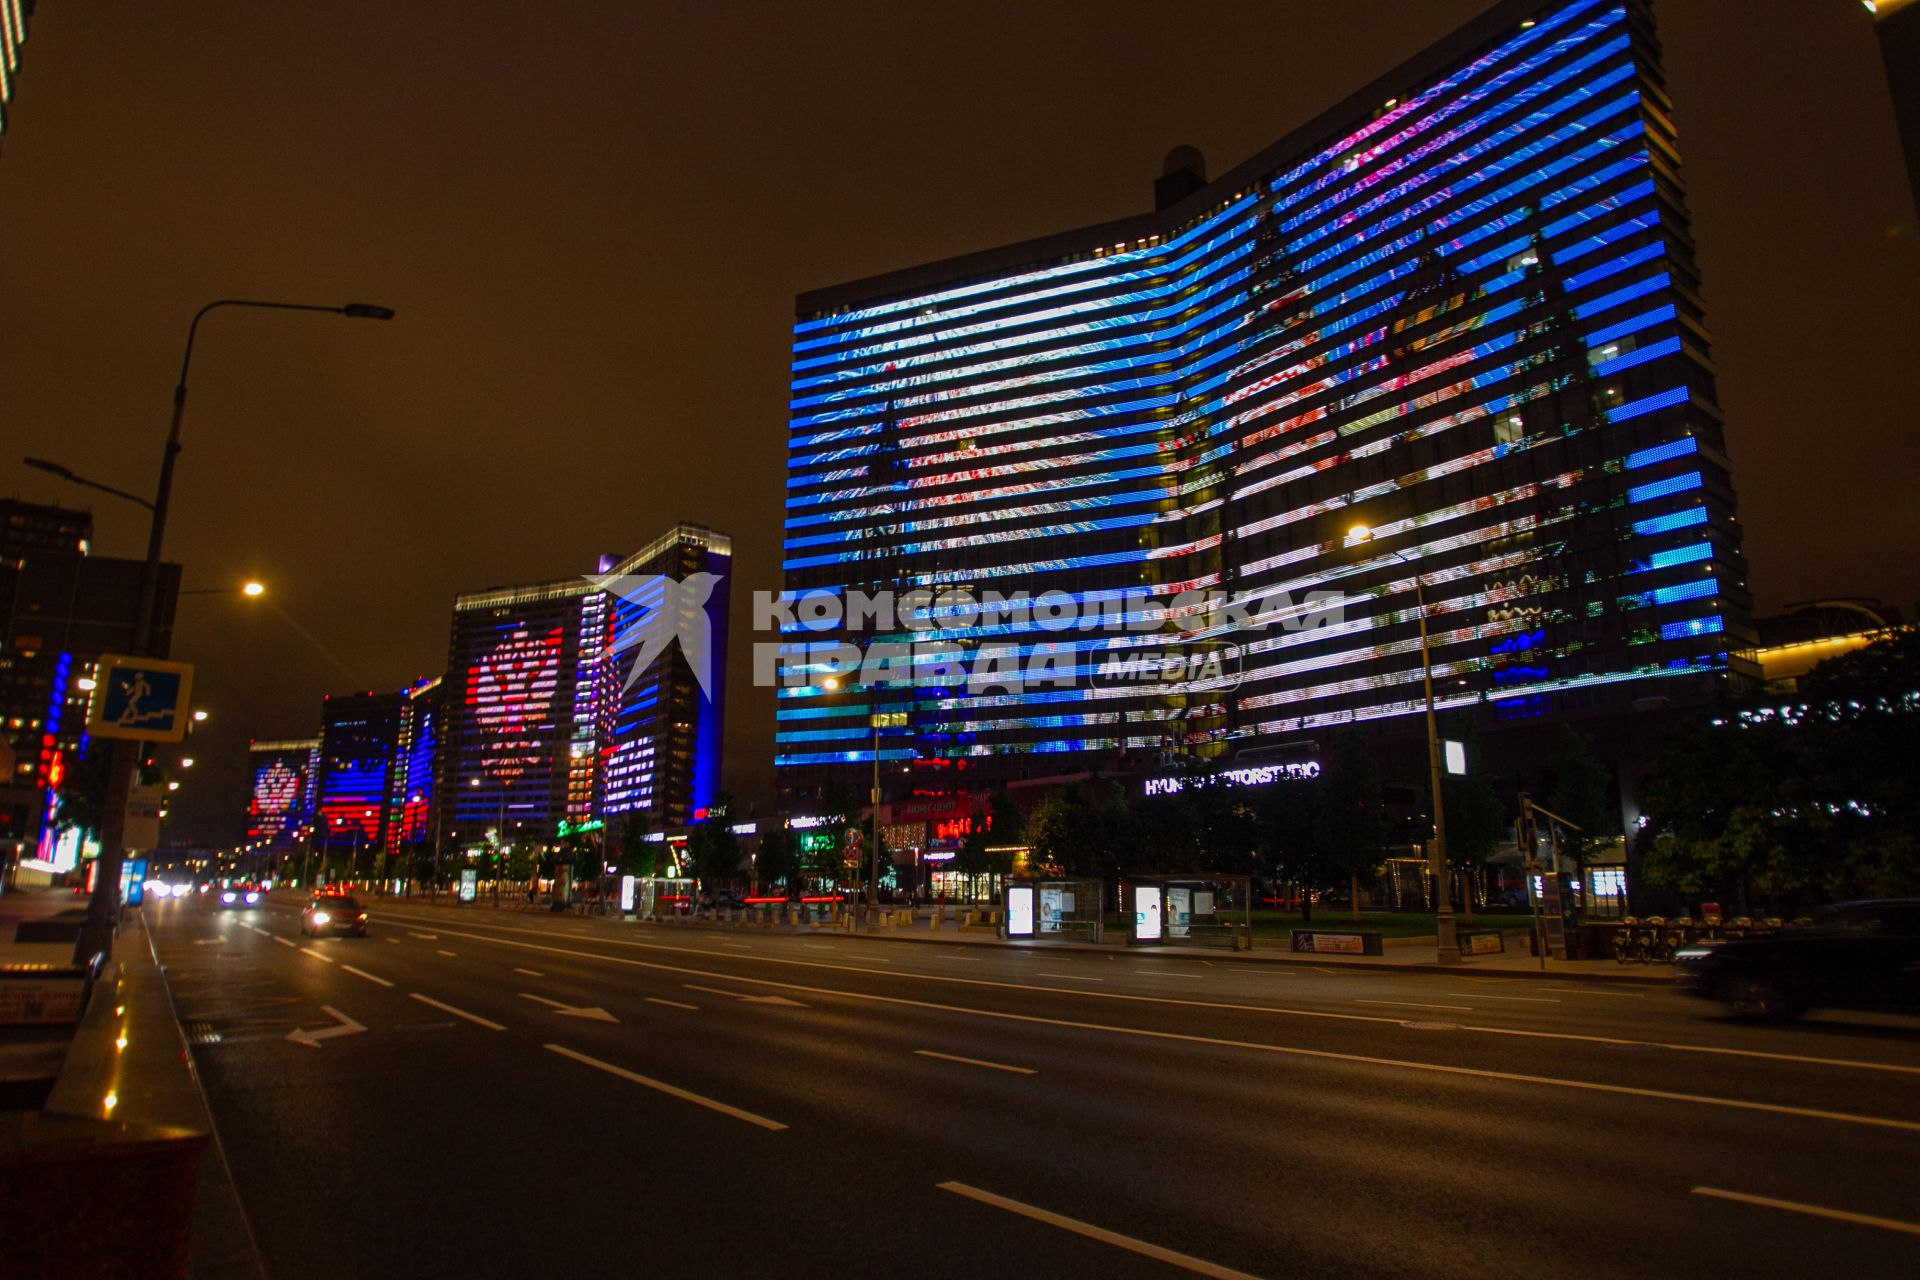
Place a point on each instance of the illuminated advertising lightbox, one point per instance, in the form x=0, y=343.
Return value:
x=1020, y=911
x=1146, y=913
x=626, y=895
x=469, y=884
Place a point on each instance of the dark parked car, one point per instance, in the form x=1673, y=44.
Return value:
x=1852, y=955
x=334, y=913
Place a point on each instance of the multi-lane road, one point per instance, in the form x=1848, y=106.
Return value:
x=468, y=1092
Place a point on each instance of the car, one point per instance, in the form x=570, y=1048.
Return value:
x=334, y=913
x=1851, y=955
x=237, y=896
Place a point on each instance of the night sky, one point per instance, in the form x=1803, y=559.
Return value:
x=593, y=218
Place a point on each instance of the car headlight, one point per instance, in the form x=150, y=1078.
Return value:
x=253, y=897
x=228, y=896
x=321, y=917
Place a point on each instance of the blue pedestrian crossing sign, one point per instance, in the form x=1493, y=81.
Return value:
x=143, y=698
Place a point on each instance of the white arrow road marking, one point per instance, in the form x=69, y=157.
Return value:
x=347, y=1027
x=569, y=1010
x=744, y=998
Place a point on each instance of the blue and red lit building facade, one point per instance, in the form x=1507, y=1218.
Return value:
x=544, y=731
x=280, y=800
x=359, y=742
x=1460, y=310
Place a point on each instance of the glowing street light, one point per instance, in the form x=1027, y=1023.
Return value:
x=254, y=589
x=200, y=717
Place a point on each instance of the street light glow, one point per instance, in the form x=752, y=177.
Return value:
x=254, y=589
x=200, y=717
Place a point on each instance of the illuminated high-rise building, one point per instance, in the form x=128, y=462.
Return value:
x=1459, y=311
x=544, y=730
x=415, y=764
x=280, y=801
x=359, y=739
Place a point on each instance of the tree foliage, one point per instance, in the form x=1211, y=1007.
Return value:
x=1808, y=796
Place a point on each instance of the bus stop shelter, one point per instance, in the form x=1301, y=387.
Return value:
x=1200, y=908
x=1054, y=910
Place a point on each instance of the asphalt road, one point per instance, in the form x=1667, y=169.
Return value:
x=471, y=1093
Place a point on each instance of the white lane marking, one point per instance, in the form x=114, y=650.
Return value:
x=1856, y=1064
x=1070, y=977
x=458, y=1013
x=1589, y=991
x=531, y=973
x=362, y=973
x=316, y=953
x=571, y=1011
x=430, y=937
x=671, y=1004
x=743, y=997
x=1512, y=1077
x=394, y=941
x=670, y=1090
x=1159, y=1253
x=1409, y=1004
x=345, y=1026
x=737, y=945
x=444, y=952
x=283, y=941
x=1335, y=972
x=1481, y=995
x=1170, y=974
x=1813, y=1210
x=977, y=1062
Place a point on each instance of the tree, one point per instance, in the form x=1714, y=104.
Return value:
x=638, y=856
x=713, y=850
x=1796, y=798
x=1579, y=795
x=1352, y=822
x=1004, y=820
x=777, y=861
x=1476, y=823
x=1289, y=848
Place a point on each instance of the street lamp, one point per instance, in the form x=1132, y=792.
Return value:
x=96, y=937
x=1446, y=939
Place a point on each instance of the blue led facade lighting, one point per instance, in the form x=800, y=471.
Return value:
x=1460, y=309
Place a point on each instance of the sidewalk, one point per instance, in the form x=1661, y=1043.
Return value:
x=1410, y=958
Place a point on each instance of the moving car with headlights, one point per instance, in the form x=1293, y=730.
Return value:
x=236, y=895
x=335, y=913
x=1852, y=955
